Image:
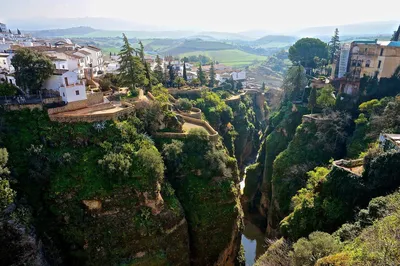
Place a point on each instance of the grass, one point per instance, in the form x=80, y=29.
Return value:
x=232, y=57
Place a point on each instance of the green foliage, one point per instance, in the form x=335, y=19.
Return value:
x=184, y=104
x=334, y=46
x=312, y=99
x=105, y=84
x=7, y=89
x=201, y=76
x=131, y=70
x=277, y=254
x=305, y=49
x=179, y=81
x=325, y=97
x=216, y=110
x=212, y=80
x=6, y=193
x=294, y=83
x=306, y=252
x=31, y=69
x=158, y=70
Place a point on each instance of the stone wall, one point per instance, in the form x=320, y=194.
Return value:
x=90, y=118
x=16, y=107
x=52, y=100
x=69, y=107
x=194, y=113
x=95, y=98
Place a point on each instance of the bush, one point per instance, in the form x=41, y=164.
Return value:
x=184, y=104
x=306, y=252
x=7, y=89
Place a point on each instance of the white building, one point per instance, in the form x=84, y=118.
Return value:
x=96, y=58
x=238, y=76
x=343, y=60
x=5, y=63
x=67, y=84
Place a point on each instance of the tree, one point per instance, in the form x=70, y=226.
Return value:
x=263, y=86
x=9, y=31
x=312, y=100
x=184, y=70
x=334, y=46
x=325, y=97
x=7, y=89
x=131, y=70
x=212, y=76
x=158, y=70
x=179, y=81
x=195, y=82
x=146, y=65
x=294, y=82
x=105, y=84
x=305, y=49
x=171, y=73
x=31, y=69
x=306, y=252
x=201, y=76
x=184, y=104
x=6, y=193
x=19, y=32
x=239, y=85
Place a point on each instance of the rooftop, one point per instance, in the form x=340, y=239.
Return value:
x=94, y=48
x=353, y=166
x=83, y=52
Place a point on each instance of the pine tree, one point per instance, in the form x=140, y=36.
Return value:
x=19, y=32
x=146, y=65
x=312, y=99
x=334, y=46
x=201, y=76
x=212, y=76
x=131, y=69
x=158, y=70
x=184, y=74
x=110, y=54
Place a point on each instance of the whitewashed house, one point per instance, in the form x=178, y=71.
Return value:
x=67, y=84
x=5, y=63
x=96, y=58
x=239, y=76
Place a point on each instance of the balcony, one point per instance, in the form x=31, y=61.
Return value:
x=71, y=85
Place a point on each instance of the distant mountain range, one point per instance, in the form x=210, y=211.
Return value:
x=105, y=27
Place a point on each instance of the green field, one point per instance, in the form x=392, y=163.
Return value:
x=229, y=57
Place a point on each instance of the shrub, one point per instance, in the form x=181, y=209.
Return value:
x=184, y=104
x=318, y=245
x=7, y=89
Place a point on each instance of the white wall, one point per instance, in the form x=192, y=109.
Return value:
x=61, y=64
x=53, y=83
x=73, y=93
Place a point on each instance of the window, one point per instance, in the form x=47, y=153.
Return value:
x=77, y=92
x=368, y=63
x=379, y=64
x=4, y=62
x=63, y=66
x=381, y=52
x=63, y=94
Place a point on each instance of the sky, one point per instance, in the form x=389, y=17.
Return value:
x=208, y=15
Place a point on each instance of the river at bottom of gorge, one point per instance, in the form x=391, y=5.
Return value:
x=253, y=241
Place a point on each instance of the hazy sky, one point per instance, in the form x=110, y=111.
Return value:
x=215, y=15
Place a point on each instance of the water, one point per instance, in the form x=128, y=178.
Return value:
x=253, y=242
x=253, y=239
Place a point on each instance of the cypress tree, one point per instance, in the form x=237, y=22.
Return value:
x=19, y=32
x=184, y=70
x=158, y=70
x=312, y=99
x=201, y=76
x=212, y=76
x=263, y=86
x=145, y=64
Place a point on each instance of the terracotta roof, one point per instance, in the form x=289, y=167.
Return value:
x=83, y=52
x=72, y=54
x=59, y=72
x=93, y=48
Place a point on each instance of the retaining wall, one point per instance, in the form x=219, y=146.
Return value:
x=52, y=100
x=90, y=118
x=16, y=107
x=194, y=113
x=69, y=107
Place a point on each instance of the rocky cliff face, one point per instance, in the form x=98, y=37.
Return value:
x=100, y=196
